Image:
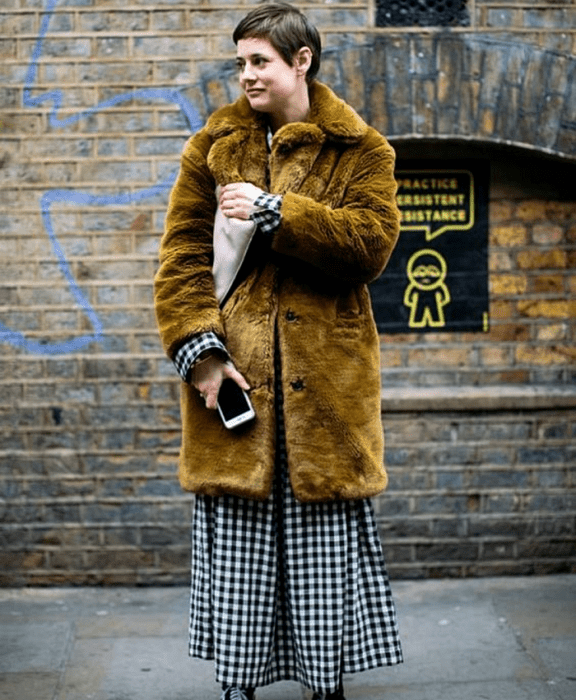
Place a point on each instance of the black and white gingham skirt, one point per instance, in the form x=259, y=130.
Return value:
x=283, y=590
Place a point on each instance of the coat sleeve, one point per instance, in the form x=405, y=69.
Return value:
x=353, y=241
x=184, y=297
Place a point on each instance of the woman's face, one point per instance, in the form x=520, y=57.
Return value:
x=270, y=84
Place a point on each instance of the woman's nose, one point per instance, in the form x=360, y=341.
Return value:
x=246, y=75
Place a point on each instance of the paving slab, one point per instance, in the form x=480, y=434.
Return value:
x=29, y=686
x=474, y=639
x=558, y=656
x=40, y=646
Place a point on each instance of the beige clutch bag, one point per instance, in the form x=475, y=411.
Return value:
x=232, y=239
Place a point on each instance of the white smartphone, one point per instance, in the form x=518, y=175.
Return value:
x=234, y=405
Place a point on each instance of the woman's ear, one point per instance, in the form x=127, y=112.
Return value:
x=303, y=60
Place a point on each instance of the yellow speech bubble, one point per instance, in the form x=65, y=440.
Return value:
x=435, y=201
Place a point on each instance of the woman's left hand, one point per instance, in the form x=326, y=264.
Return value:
x=237, y=199
x=207, y=377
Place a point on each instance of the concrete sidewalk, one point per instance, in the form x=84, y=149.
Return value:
x=480, y=639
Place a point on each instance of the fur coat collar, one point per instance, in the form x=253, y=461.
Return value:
x=240, y=150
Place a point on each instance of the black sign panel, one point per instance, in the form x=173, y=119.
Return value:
x=437, y=277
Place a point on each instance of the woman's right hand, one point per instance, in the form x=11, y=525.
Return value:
x=208, y=375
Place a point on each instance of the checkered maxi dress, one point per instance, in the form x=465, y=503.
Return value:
x=284, y=590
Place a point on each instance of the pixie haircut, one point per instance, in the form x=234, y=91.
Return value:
x=286, y=28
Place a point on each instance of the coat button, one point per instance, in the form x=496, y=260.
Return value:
x=297, y=385
x=290, y=315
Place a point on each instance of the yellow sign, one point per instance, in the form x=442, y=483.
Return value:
x=437, y=276
x=435, y=204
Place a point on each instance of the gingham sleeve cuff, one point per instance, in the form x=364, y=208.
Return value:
x=189, y=353
x=267, y=217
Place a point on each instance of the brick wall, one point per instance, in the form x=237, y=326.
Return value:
x=96, y=101
x=479, y=492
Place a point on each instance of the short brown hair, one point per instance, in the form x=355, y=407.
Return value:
x=287, y=29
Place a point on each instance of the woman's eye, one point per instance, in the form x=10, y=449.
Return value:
x=256, y=62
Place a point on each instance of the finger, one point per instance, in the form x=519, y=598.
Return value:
x=211, y=399
x=209, y=391
x=235, y=211
x=225, y=198
x=232, y=206
x=232, y=187
x=229, y=192
x=233, y=373
x=241, y=191
x=224, y=201
x=237, y=214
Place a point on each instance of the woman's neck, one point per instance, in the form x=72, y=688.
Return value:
x=296, y=112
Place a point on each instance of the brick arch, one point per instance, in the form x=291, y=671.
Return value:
x=460, y=86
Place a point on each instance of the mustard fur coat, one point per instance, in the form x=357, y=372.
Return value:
x=305, y=290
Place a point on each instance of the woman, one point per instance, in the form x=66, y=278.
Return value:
x=288, y=576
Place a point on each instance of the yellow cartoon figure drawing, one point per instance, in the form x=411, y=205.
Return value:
x=426, y=294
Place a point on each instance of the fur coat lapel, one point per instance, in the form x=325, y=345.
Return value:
x=240, y=153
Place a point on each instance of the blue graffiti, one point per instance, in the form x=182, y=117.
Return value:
x=77, y=197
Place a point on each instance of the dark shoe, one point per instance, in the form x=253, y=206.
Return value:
x=232, y=692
